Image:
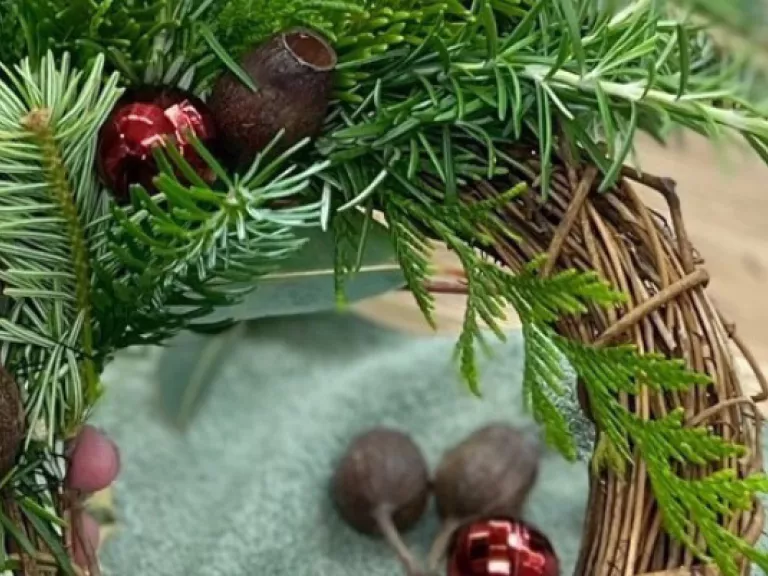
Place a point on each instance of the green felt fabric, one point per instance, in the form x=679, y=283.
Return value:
x=244, y=491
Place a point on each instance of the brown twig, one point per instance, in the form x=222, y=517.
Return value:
x=447, y=287
x=383, y=516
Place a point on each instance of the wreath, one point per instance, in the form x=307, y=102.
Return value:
x=159, y=158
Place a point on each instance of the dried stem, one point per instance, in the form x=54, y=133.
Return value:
x=383, y=517
x=441, y=543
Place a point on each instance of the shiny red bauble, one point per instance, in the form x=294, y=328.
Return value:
x=143, y=120
x=501, y=547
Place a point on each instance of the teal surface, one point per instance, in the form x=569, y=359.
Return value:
x=245, y=490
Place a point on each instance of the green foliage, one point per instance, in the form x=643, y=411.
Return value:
x=11, y=41
x=431, y=98
x=543, y=378
x=420, y=122
x=173, y=257
x=124, y=32
x=83, y=278
x=48, y=191
x=700, y=503
x=146, y=41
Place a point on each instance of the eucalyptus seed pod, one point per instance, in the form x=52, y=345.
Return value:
x=381, y=487
x=12, y=421
x=490, y=474
x=293, y=74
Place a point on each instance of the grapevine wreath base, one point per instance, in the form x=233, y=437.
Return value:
x=668, y=312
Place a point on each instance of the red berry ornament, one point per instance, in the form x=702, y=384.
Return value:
x=502, y=548
x=142, y=120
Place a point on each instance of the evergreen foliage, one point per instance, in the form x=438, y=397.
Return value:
x=430, y=95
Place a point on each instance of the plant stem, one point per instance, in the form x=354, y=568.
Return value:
x=441, y=543
x=383, y=517
x=39, y=123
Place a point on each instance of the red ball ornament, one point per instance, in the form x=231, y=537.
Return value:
x=501, y=547
x=142, y=120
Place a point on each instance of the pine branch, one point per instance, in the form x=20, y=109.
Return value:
x=40, y=123
x=172, y=257
x=49, y=180
x=49, y=200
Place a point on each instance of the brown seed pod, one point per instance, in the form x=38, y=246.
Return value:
x=490, y=474
x=12, y=421
x=381, y=486
x=293, y=72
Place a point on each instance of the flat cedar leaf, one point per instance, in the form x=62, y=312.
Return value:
x=556, y=430
x=543, y=377
x=623, y=369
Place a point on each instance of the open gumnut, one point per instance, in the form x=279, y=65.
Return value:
x=293, y=74
x=381, y=487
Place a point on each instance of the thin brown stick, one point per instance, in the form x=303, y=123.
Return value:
x=383, y=517
x=667, y=187
x=446, y=287
x=698, y=278
x=705, y=415
x=441, y=544
x=754, y=365
x=583, y=190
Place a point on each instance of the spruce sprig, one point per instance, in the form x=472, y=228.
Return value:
x=171, y=257
x=49, y=116
x=49, y=119
x=430, y=96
